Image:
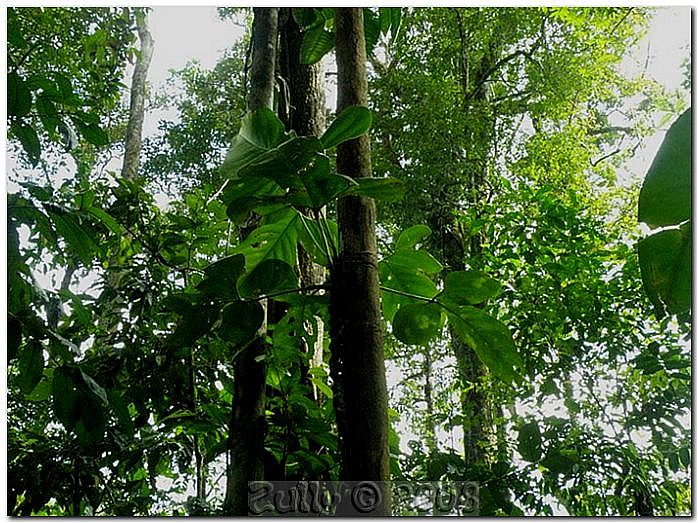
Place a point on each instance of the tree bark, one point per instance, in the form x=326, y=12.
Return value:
x=247, y=423
x=357, y=362
x=134, y=130
x=305, y=114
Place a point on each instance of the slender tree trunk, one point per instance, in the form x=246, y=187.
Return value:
x=132, y=147
x=358, y=367
x=476, y=403
x=247, y=423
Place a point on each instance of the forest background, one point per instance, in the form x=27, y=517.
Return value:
x=612, y=437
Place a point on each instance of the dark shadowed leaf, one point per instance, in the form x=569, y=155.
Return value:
x=530, y=442
x=222, y=276
x=417, y=323
x=240, y=321
x=14, y=336
x=665, y=262
x=66, y=398
x=665, y=197
x=19, y=98
x=267, y=277
x=31, y=366
x=28, y=138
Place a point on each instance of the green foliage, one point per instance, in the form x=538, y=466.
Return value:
x=665, y=200
x=417, y=323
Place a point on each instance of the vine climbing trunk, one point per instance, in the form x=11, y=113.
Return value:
x=247, y=423
x=357, y=361
x=303, y=112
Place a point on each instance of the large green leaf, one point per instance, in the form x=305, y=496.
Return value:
x=243, y=195
x=66, y=397
x=665, y=197
x=405, y=278
x=317, y=42
x=262, y=128
x=417, y=323
x=352, y=122
x=284, y=163
x=31, y=366
x=92, y=132
x=321, y=184
x=222, y=276
x=240, y=321
x=240, y=153
x=19, y=98
x=530, y=442
x=490, y=339
x=27, y=136
x=665, y=263
x=469, y=287
x=411, y=236
x=48, y=113
x=267, y=277
x=14, y=336
x=273, y=241
x=80, y=239
x=385, y=189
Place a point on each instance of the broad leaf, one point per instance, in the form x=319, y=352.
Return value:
x=240, y=153
x=404, y=278
x=94, y=387
x=66, y=398
x=410, y=237
x=469, y=287
x=267, y=277
x=273, y=241
x=262, y=128
x=491, y=341
x=352, y=122
x=222, y=276
x=14, y=336
x=385, y=189
x=284, y=163
x=31, y=366
x=317, y=42
x=417, y=323
x=321, y=184
x=19, y=98
x=240, y=321
x=91, y=132
x=665, y=197
x=28, y=138
x=530, y=442
x=665, y=263
x=80, y=239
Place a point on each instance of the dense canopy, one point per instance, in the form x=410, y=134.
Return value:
x=382, y=244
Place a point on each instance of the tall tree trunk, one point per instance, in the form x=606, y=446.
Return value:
x=305, y=114
x=476, y=403
x=134, y=130
x=247, y=423
x=357, y=362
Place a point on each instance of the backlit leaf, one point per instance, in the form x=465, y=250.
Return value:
x=352, y=122
x=417, y=323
